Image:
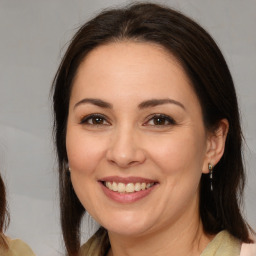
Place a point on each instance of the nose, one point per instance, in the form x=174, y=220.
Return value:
x=125, y=149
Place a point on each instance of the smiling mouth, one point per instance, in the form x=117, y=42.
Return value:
x=129, y=187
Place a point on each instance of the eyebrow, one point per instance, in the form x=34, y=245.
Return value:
x=97, y=102
x=142, y=105
x=157, y=102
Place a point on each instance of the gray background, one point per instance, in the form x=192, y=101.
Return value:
x=33, y=37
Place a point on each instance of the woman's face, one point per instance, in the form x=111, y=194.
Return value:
x=136, y=141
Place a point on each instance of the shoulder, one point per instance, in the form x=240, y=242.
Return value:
x=248, y=249
x=19, y=248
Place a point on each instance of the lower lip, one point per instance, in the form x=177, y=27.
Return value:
x=126, y=197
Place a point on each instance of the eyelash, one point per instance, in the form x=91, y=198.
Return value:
x=162, y=117
x=85, y=120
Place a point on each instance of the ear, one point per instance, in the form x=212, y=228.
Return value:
x=215, y=145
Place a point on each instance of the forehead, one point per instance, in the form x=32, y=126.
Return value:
x=128, y=56
x=128, y=68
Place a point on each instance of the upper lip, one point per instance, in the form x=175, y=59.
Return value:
x=127, y=180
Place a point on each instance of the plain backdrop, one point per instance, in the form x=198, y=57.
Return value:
x=33, y=37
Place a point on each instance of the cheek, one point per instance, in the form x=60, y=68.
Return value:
x=179, y=153
x=84, y=156
x=84, y=152
x=179, y=158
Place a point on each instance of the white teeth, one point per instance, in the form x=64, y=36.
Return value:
x=114, y=186
x=137, y=187
x=128, y=188
x=120, y=187
x=109, y=185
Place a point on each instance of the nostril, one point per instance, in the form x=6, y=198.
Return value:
x=132, y=163
x=112, y=161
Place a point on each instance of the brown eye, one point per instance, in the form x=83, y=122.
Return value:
x=94, y=119
x=97, y=120
x=160, y=120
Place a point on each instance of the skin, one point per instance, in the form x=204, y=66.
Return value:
x=128, y=141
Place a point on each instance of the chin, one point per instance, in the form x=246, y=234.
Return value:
x=127, y=231
x=128, y=225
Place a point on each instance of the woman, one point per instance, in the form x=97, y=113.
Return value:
x=9, y=247
x=148, y=138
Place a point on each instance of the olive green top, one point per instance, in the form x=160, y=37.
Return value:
x=16, y=248
x=223, y=244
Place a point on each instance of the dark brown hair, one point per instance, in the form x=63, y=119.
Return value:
x=4, y=216
x=208, y=72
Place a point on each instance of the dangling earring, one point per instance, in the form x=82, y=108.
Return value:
x=210, y=167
